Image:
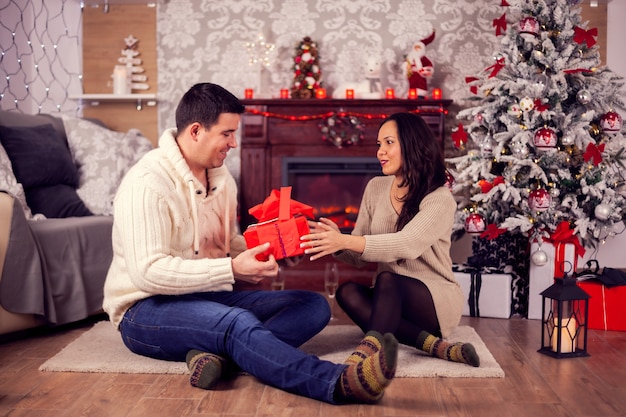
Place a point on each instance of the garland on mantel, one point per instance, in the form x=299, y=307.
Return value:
x=341, y=127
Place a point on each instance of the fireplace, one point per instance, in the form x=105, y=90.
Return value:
x=333, y=186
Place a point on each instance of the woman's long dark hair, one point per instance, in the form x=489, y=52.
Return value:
x=423, y=166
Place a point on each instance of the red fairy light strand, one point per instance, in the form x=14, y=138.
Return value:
x=339, y=114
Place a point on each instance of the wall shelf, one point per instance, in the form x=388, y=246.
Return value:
x=139, y=99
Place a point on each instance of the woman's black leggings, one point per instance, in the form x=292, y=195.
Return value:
x=396, y=304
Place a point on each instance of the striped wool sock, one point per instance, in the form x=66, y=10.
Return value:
x=365, y=381
x=369, y=345
x=205, y=369
x=455, y=352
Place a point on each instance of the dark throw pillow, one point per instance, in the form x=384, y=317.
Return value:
x=56, y=201
x=39, y=156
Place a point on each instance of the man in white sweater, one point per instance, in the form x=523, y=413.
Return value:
x=177, y=251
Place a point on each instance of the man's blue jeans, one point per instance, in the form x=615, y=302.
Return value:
x=258, y=330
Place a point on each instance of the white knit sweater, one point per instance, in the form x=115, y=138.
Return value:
x=168, y=233
x=423, y=245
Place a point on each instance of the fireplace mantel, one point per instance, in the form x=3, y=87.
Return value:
x=277, y=128
x=288, y=128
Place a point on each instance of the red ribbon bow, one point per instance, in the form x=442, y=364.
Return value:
x=500, y=24
x=459, y=136
x=495, y=68
x=594, y=152
x=585, y=36
x=486, y=186
x=504, y=3
x=492, y=232
x=473, y=88
x=539, y=106
x=575, y=70
x=563, y=234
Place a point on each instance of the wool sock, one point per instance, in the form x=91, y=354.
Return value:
x=205, y=369
x=365, y=381
x=369, y=345
x=455, y=352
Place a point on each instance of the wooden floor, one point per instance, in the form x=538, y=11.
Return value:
x=535, y=385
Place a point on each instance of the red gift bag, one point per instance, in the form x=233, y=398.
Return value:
x=281, y=222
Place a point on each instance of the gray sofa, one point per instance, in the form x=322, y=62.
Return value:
x=55, y=244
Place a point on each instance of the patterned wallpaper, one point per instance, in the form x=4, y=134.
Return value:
x=207, y=41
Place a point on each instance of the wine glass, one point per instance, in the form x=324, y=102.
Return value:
x=331, y=282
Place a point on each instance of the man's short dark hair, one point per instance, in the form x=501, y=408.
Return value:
x=203, y=103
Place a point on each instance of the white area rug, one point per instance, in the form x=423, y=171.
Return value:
x=101, y=349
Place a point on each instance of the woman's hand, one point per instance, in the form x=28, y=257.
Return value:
x=325, y=239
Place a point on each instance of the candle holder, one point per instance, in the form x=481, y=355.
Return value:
x=565, y=311
x=320, y=93
x=389, y=93
x=436, y=93
x=349, y=94
x=413, y=93
x=248, y=93
x=284, y=93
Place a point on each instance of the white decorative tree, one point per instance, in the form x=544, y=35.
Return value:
x=136, y=80
x=547, y=150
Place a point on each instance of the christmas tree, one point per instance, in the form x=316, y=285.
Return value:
x=544, y=138
x=307, y=74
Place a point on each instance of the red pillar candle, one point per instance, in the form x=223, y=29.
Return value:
x=436, y=93
x=284, y=93
x=248, y=93
x=320, y=93
x=389, y=93
x=349, y=93
x=413, y=93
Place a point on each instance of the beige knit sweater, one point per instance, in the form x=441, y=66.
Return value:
x=169, y=234
x=424, y=245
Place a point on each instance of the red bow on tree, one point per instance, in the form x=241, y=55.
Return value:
x=500, y=24
x=585, y=36
x=504, y=3
x=574, y=71
x=539, y=106
x=473, y=88
x=492, y=232
x=486, y=186
x=459, y=136
x=495, y=67
x=594, y=152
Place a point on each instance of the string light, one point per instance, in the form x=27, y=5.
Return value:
x=340, y=113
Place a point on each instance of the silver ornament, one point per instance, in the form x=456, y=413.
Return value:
x=567, y=140
x=555, y=192
x=539, y=258
x=602, y=211
x=583, y=96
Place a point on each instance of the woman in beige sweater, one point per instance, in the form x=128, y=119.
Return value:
x=404, y=225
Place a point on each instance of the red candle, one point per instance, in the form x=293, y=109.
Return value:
x=284, y=93
x=320, y=93
x=389, y=93
x=413, y=93
x=349, y=93
x=436, y=93
x=249, y=93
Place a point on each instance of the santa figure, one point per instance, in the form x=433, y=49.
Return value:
x=417, y=68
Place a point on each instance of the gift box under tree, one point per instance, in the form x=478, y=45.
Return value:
x=282, y=221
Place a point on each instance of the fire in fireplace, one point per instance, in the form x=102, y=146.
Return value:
x=333, y=186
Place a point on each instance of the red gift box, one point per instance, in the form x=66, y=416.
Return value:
x=607, y=306
x=281, y=222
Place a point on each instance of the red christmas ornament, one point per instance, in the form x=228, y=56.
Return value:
x=611, y=122
x=539, y=199
x=529, y=26
x=475, y=224
x=545, y=138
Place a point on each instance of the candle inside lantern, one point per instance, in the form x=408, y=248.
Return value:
x=248, y=93
x=120, y=80
x=568, y=335
x=349, y=93
x=436, y=93
x=413, y=93
x=389, y=93
x=284, y=93
x=320, y=93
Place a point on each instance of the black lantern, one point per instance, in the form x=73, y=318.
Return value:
x=565, y=310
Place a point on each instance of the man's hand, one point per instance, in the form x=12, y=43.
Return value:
x=246, y=267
